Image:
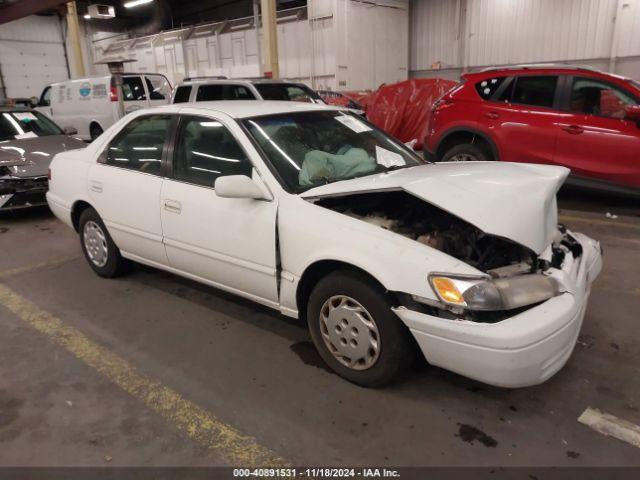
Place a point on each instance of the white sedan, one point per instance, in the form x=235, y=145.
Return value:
x=314, y=212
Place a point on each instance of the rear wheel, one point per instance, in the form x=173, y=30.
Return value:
x=95, y=131
x=98, y=247
x=465, y=152
x=355, y=331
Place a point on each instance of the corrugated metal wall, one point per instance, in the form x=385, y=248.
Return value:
x=452, y=34
x=31, y=55
x=341, y=44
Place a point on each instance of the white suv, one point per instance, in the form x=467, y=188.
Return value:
x=208, y=89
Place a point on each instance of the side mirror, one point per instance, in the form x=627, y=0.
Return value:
x=632, y=112
x=238, y=186
x=34, y=101
x=70, y=131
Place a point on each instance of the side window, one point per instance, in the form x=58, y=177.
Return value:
x=158, y=87
x=132, y=89
x=139, y=145
x=223, y=92
x=487, y=88
x=182, y=94
x=45, y=99
x=238, y=92
x=594, y=97
x=205, y=151
x=209, y=92
x=538, y=91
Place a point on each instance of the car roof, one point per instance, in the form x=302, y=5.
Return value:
x=234, y=81
x=549, y=68
x=246, y=108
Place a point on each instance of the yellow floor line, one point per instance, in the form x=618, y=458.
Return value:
x=196, y=422
x=596, y=221
x=30, y=268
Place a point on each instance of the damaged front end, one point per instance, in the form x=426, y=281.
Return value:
x=21, y=192
x=513, y=276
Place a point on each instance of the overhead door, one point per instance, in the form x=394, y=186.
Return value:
x=31, y=55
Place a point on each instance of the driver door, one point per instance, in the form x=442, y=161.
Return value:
x=227, y=242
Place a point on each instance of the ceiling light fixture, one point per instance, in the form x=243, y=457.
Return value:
x=135, y=3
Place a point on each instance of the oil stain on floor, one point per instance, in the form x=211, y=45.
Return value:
x=469, y=434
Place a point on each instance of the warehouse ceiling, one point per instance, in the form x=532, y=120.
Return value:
x=14, y=9
x=173, y=13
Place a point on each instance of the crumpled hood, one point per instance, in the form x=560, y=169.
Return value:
x=510, y=200
x=32, y=156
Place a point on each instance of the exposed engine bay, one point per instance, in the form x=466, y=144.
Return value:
x=402, y=213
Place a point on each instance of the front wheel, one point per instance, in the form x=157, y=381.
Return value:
x=355, y=331
x=98, y=247
x=466, y=152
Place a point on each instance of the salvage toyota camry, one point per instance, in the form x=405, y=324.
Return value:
x=316, y=213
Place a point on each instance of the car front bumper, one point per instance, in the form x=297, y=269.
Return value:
x=526, y=349
x=18, y=193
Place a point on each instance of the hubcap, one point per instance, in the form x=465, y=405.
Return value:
x=462, y=157
x=95, y=243
x=349, y=332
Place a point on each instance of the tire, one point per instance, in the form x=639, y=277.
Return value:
x=99, y=250
x=465, y=152
x=346, y=292
x=95, y=131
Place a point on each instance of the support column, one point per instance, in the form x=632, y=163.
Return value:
x=269, y=39
x=73, y=32
x=256, y=27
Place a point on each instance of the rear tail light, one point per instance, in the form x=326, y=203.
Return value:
x=113, y=93
x=49, y=174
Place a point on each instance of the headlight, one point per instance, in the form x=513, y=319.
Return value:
x=483, y=293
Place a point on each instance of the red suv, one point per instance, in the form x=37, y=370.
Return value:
x=582, y=119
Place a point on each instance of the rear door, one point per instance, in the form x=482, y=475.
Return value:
x=44, y=104
x=134, y=93
x=125, y=186
x=158, y=89
x=594, y=138
x=522, y=117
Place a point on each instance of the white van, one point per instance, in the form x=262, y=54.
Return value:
x=90, y=105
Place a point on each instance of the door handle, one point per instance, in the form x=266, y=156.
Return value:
x=172, y=206
x=492, y=115
x=95, y=186
x=573, y=129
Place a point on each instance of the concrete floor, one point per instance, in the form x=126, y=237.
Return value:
x=257, y=371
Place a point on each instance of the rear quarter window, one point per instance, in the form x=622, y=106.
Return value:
x=488, y=87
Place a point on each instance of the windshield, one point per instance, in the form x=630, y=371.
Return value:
x=287, y=91
x=18, y=125
x=313, y=148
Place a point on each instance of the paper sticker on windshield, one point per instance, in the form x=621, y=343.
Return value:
x=25, y=116
x=388, y=159
x=353, y=123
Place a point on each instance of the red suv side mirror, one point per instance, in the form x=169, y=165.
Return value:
x=632, y=112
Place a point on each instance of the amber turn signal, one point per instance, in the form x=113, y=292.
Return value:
x=447, y=290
